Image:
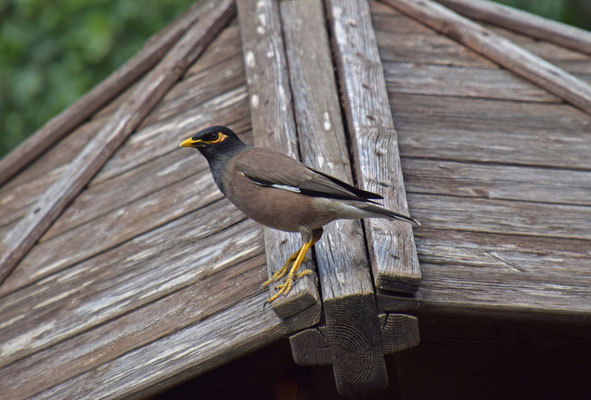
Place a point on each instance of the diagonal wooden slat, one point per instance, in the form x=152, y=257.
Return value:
x=374, y=143
x=498, y=49
x=100, y=95
x=24, y=235
x=273, y=126
x=523, y=22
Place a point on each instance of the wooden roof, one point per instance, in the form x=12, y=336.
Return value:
x=150, y=277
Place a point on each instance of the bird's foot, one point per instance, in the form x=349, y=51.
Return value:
x=296, y=259
x=281, y=272
x=286, y=286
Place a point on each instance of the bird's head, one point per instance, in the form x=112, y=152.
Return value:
x=214, y=141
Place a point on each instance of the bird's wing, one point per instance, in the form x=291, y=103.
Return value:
x=271, y=168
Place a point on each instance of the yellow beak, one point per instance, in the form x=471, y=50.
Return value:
x=190, y=143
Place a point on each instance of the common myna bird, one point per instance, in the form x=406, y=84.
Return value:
x=280, y=192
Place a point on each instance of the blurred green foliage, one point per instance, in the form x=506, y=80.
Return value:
x=52, y=52
x=572, y=12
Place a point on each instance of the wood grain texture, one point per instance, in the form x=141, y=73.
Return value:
x=163, y=363
x=74, y=306
x=198, y=102
x=343, y=267
x=83, y=108
x=374, y=141
x=529, y=261
x=273, y=126
x=502, y=216
x=135, y=324
x=492, y=131
x=20, y=240
x=310, y=347
x=523, y=22
x=500, y=50
x=499, y=182
x=446, y=80
x=399, y=332
x=127, y=212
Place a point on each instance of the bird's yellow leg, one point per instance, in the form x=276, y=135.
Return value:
x=293, y=272
x=280, y=273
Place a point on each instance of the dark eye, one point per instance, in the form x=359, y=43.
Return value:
x=210, y=137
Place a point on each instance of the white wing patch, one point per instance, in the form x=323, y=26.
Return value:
x=288, y=188
x=293, y=189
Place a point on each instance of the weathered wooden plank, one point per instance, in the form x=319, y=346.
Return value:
x=428, y=49
x=546, y=50
x=20, y=240
x=198, y=89
x=502, y=216
x=523, y=22
x=114, y=228
x=117, y=82
x=93, y=202
x=121, y=279
x=374, y=142
x=465, y=291
x=224, y=47
x=155, y=140
x=479, y=130
x=343, y=268
x=135, y=328
x=54, y=160
x=273, y=126
x=493, y=181
x=500, y=50
x=429, y=79
x=499, y=274
x=225, y=336
x=518, y=255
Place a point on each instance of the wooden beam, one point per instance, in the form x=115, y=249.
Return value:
x=310, y=347
x=399, y=332
x=374, y=141
x=352, y=326
x=91, y=102
x=22, y=237
x=177, y=357
x=498, y=49
x=523, y=22
x=274, y=127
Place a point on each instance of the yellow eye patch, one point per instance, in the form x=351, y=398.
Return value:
x=221, y=137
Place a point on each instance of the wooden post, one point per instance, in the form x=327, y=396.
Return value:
x=352, y=325
x=131, y=113
x=374, y=141
x=310, y=347
x=498, y=49
x=273, y=126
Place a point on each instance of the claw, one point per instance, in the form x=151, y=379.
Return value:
x=296, y=260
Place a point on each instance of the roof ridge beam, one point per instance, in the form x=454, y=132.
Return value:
x=523, y=22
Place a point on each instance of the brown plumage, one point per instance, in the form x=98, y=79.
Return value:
x=282, y=193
